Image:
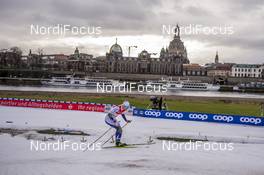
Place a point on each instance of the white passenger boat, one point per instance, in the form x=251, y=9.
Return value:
x=184, y=85
x=189, y=85
x=156, y=82
x=79, y=82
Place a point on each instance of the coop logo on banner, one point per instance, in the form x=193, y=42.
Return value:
x=250, y=120
x=223, y=118
x=153, y=113
x=201, y=117
x=174, y=115
x=198, y=116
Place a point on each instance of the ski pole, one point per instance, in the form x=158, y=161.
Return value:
x=98, y=138
x=112, y=136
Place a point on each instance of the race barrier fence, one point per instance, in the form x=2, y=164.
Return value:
x=202, y=117
x=84, y=106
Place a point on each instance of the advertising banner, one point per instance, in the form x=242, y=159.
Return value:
x=202, y=117
x=50, y=104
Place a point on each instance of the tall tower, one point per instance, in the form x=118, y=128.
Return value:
x=216, y=58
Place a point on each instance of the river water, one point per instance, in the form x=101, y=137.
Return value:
x=94, y=90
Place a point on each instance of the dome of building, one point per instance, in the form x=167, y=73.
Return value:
x=176, y=46
x=144, y=55
x=116, y=48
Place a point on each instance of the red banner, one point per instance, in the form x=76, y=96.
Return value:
x=52, y=104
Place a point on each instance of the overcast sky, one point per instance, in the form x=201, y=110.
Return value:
x=138, y=22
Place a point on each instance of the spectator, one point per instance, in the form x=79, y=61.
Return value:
x=262, y=109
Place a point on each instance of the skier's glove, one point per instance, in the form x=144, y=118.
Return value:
x=129, y=121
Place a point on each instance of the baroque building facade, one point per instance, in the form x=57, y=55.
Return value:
x=170, y=61
x=80, y=62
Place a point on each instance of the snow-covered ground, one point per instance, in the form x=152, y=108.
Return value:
x=16, y=157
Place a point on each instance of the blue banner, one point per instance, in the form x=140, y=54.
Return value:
x=202, y=117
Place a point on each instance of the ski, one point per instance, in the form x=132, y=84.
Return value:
x=138, y=144
x=131, y=145
x=124, y=146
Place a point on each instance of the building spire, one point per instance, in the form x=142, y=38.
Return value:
x=216, y=58
x=177, y=31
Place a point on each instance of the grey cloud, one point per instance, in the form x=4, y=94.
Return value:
x=243, y=43
x=197, y=11
x=135, y=17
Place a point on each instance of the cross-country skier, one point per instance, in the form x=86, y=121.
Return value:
x=111, y=120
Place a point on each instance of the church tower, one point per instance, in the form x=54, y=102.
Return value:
x=216, y=58
x=174, y=56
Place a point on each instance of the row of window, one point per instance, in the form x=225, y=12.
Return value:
x=121, y=67
x=152, y=59
x=247, y=70
x=247, y=75
x=194, y=72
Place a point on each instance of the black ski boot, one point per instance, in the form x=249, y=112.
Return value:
x=119, y=144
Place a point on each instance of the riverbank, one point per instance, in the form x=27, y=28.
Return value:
x=221, y=105
x=15, y=81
